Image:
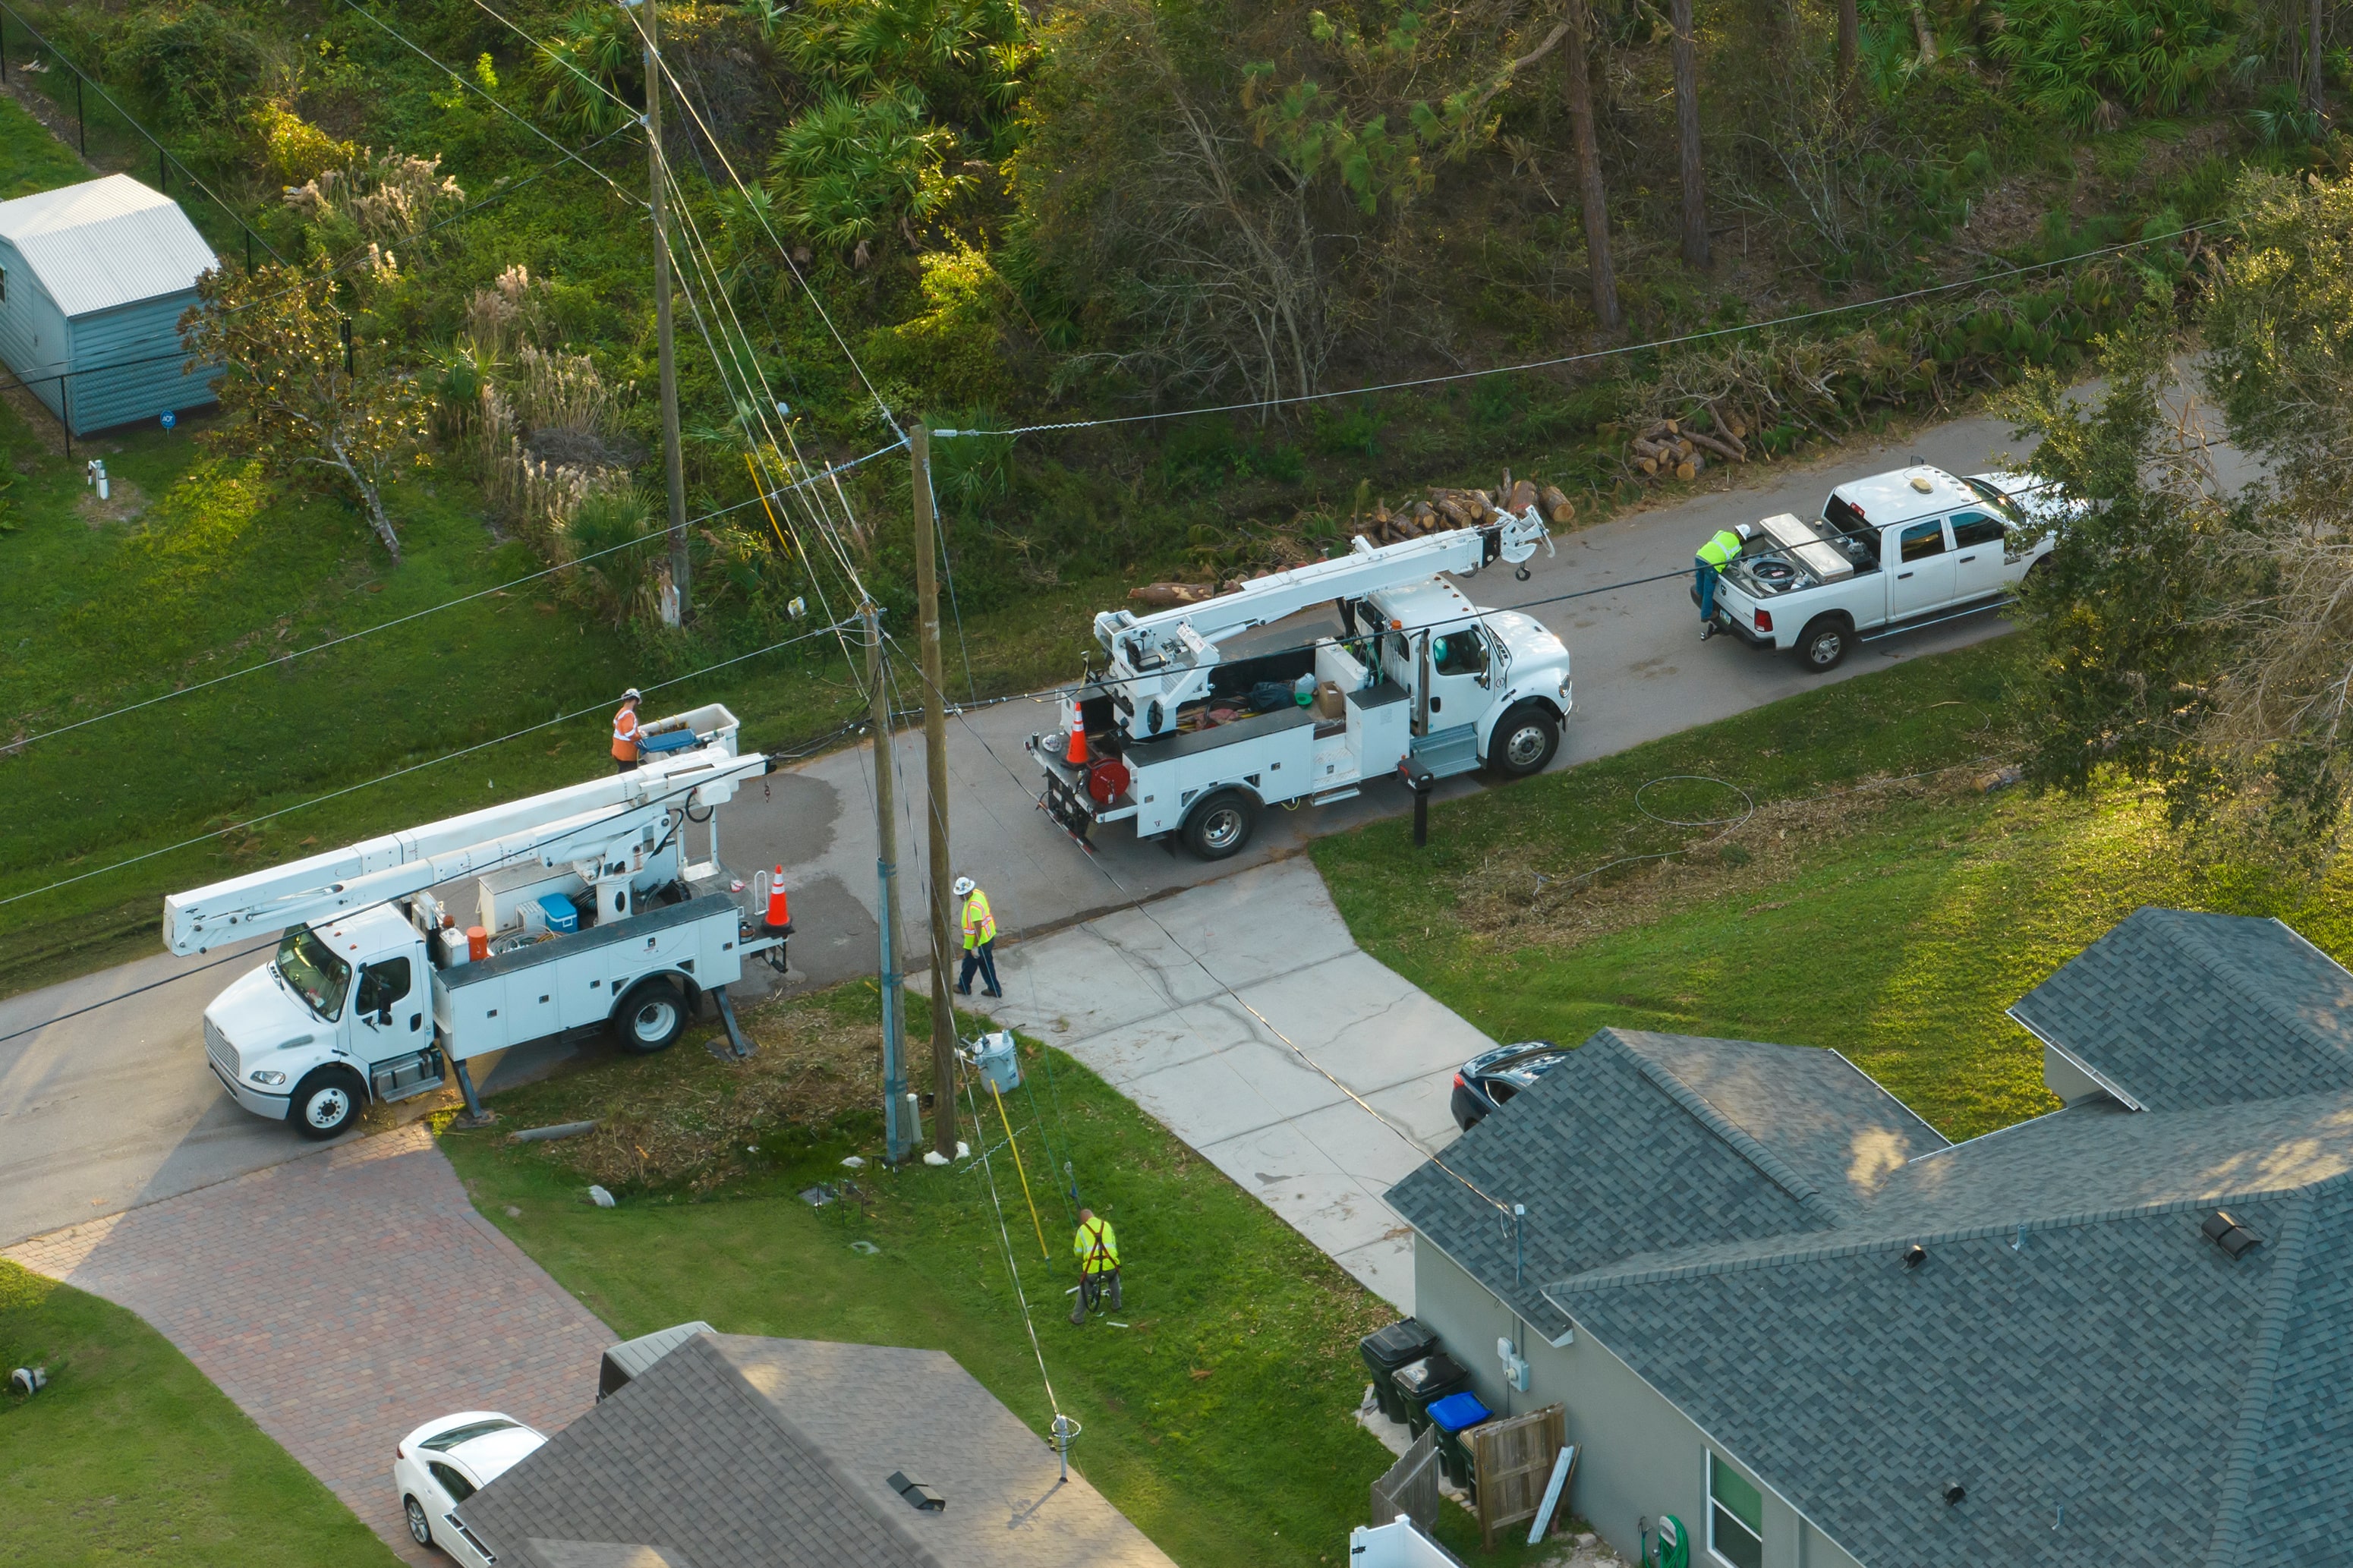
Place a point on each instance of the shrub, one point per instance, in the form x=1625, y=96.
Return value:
x=2087, y=62
x=851, y=167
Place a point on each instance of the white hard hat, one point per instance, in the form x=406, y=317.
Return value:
x=962, y=888
x=1747, y=531
x=633, y=695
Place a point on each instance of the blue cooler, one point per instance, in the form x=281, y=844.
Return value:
x=668, y=740
x=1453, y=1415
x=563, y=918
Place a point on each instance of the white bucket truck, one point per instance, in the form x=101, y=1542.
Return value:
x=1179, y=737
x=589, y=913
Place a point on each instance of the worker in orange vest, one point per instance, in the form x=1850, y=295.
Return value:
x=624, y=734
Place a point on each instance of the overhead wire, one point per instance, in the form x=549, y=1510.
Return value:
x=398, y=773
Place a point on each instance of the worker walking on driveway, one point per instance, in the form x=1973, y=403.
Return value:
x=979, y=938
x=1713, y=558
x=1097, y=1251
x=625, y=733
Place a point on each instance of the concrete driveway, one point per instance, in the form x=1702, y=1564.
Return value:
x=1179, y=1006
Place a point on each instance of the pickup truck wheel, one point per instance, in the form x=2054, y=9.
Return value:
x=1220, y=825
x=326, y=1103
x=1524, y=742
x=1825, y=643
x=651, y=1017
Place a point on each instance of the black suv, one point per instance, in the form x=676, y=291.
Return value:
x=1487, y=1082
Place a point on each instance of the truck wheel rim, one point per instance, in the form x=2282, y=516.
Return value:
x=328, y=1107
x=419, y=1531
x=1222, y=828
x=1826, y=647
x=653, y=1020
x=1526, y=748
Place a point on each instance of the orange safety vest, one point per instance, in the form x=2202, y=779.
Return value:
x=625, y=735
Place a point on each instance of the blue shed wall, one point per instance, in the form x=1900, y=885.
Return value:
x=33, y=334
x=130, y=364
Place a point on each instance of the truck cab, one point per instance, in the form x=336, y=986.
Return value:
x=1463, y=669
x=1895, y=552
x=354, y=992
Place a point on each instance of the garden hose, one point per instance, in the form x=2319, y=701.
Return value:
x=1674, y=1549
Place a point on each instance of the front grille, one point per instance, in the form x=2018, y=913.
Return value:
x=217, y=1046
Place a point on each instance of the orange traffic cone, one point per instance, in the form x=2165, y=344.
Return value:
x=1077, y=755
x=780, y=909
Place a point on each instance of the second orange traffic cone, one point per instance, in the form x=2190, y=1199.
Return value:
x=1077, y=755
x=780, y=909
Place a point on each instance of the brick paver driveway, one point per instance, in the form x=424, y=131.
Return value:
x=340, y=1300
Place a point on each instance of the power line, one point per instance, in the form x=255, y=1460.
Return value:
x=399, y=772
x=435, y=609
x=1591, y=354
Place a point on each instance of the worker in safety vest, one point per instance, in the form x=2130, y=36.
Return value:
x=625, y=733
x=1097, y=1249
x=979, y=938
x=1713, y=558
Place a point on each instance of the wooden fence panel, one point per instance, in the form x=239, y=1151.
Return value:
x=1512, y=1460
x=1410, y=1487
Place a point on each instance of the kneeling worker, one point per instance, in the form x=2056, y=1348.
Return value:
x=1714, y=556
x=1097, y=1251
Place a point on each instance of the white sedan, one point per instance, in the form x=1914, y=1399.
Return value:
x=444, y=1462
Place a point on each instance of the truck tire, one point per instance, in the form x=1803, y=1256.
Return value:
x=650, y=1018
x=1524, y=742
x=325, y=1104
x=1220, y=825
x=1823, y=646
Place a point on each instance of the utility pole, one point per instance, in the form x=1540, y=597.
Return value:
x=898, y=1137
x=936, y=768
x=673, y=469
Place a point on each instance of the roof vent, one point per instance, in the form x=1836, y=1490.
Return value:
x=2229, y=1235
x=917, y=1494
x=1915, y=1255
x=1954, y=1493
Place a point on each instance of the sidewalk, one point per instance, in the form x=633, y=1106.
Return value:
x=341, y=1300
x=1134, y=1005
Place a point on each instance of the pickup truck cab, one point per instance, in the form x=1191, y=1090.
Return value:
x=1889, y=554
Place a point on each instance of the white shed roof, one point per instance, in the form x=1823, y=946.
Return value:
x=106, y=243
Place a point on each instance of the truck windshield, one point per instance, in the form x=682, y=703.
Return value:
x=306, y=963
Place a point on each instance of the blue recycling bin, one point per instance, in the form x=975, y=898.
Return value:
x=1453, y=1415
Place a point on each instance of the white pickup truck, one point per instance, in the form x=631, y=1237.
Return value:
x=1889, y=554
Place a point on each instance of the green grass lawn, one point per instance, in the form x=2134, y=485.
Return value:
x=1220, y=1420
x=129, y=1455
x=1893, y=923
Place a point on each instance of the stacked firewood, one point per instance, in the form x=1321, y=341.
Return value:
x=1675, y=448
x=1446, y=508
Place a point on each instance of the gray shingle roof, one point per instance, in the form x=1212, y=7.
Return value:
x=2176, y=1009
x=738, y=1452
x=2072, y=1339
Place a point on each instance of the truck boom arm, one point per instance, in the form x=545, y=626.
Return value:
x=561, y=825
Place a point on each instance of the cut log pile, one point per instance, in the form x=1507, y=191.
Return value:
x=1676, y=449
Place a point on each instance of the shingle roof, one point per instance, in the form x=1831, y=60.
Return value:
x=2072, y=1339
x=738, y=1452
x=2175, y=1009
x=106, y=243
x=1619, y=1150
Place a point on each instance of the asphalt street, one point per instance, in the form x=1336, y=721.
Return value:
x=116, y=1108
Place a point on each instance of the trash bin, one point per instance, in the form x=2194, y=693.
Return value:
x=1453, y=1415
x=1400, y=1344
x=1425, y=1382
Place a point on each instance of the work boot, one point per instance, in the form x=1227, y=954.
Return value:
x=998, y=994
x=964, y=990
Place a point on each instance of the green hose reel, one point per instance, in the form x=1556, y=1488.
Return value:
x=1673, y=1547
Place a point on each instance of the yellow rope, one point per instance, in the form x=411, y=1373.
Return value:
x=764, y=504
x=1042, y=1250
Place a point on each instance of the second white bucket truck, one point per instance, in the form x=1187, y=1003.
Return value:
x=589, y=913
x=1177, y=737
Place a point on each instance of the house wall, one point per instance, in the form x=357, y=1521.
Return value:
x=129, y=365
x=33, y=332
x=1640, y=1455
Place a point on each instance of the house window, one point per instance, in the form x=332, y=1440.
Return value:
x=1735, y=1517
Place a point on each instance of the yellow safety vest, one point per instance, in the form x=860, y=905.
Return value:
x=1724, y=549
x=1096, y=1248
x=979, y=925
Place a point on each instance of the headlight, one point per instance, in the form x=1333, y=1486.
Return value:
x=266, y=1077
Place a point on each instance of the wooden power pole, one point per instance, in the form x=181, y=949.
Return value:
x=897, y=1136
x=673, y=467
x=935, y=767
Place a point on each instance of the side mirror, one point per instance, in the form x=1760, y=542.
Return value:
x=384, y=1015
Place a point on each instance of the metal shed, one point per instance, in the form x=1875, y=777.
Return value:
x=93, y=281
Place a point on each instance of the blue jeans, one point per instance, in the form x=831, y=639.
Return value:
x=1706, y=575
x=983, y=958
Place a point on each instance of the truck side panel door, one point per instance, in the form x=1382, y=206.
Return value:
x=1980, y=568
x=1919, y=569
x=1460, y=660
